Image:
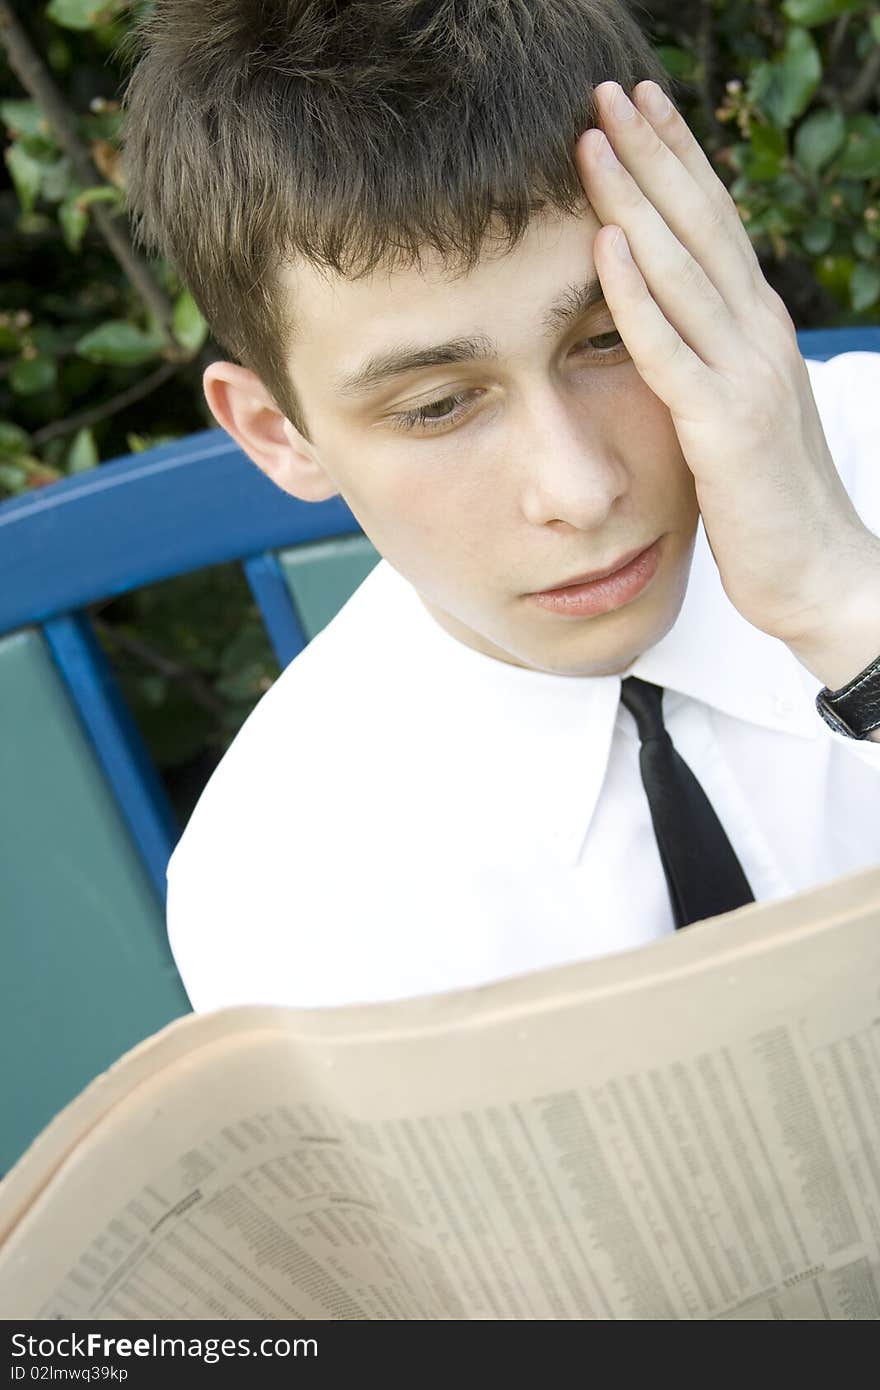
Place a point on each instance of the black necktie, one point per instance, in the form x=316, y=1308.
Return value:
x=702, y=871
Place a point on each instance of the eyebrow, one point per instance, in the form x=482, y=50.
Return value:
x=568, y=308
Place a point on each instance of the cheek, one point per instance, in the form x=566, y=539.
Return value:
x=425, y=493
x=649, y=418
x=651, y=432
x=405, y=509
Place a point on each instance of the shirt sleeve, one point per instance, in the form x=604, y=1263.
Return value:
x=847, y=389
x=864, y=749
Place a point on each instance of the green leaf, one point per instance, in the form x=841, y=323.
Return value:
x=874, y=26
x=861, y=153
x=767, y=150
x=834, y=274
x=57, y=179
x=818, y=139
x=82, y=14
x=33, y=223
x=74, y=222
x=854, y=195
x=53, y=452
x=864, y=286
x=784, y=88
x=13, y=439
x=42, y=148
x=789, y=192
x=30, y=375
x=109, y=36
x=189, y=327
x=864, y=243
x=83, y=452
x=817, y=236
x=26, y=175
x=13, y=478
x=800, y=74
x=73, y=214
x=105, y=125
x=818, y=11
x=847, y=195
x=119, y=343
x=678, y=62
x=138, y=443
x=100, y=193
x=23, y=118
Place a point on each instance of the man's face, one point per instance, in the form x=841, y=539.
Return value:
x=540, y=455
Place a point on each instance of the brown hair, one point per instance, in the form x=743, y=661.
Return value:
x=355, y=133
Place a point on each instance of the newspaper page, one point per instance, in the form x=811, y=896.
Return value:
x=690, y=1130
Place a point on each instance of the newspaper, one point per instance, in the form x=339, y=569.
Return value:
x=687, y=1130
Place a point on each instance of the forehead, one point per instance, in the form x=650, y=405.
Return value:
x=505, y=295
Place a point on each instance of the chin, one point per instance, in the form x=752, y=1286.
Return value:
x=606, y=653
x=610, y=666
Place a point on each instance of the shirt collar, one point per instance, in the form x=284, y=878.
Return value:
x=536, y=744
x=712, y=654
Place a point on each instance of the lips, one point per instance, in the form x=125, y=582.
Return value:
x=593, y=575
x=601, y=593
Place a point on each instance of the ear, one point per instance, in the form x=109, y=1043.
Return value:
x=243, y=407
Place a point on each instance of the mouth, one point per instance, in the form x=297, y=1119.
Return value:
x=594, y=575
x=602, y=590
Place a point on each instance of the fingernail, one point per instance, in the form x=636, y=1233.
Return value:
x=621, y=247
x=655, y=102
x=622, y=106
x=604, y=152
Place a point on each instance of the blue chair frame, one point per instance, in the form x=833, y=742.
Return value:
x=135, y=521
x=168, y=511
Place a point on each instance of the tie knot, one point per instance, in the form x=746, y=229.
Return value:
x=644, y=700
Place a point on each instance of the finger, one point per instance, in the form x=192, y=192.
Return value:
x=671, y=127
x=661, y=356
x=676, y=280
x=699, y=211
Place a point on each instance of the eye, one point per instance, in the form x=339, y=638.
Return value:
x=448, y=409
x=605, y=348
x=434, y=415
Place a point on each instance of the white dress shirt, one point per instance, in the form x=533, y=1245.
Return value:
x=401, y=814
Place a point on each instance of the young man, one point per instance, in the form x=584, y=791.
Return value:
x=515, y=321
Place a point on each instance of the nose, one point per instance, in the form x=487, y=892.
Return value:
x=571, y=471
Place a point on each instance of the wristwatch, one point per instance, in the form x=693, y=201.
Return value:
x=854, y=709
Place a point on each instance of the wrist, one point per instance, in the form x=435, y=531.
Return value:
x=845, y=636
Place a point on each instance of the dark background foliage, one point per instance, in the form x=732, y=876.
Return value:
x=101, y=355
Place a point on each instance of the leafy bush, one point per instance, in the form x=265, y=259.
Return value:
x=101, y=355
x=785, y=99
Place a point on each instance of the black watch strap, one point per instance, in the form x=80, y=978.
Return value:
x=854, y=709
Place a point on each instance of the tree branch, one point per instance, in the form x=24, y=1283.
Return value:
x=838, y=35
x=198, y=689
x=865, y=85
x=705, y=49
x=34, y=77
x=84, y=418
